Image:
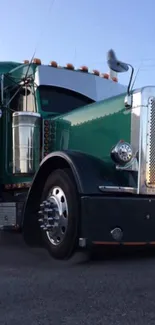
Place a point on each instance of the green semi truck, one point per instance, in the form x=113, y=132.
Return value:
x=77, y=165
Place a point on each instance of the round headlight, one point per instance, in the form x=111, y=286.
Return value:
x=122, y=153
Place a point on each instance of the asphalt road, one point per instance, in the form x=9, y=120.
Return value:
x=36, y=290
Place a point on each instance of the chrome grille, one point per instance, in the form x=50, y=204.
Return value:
x=150, y=145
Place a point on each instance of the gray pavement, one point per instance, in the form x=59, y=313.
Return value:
x=36, y=290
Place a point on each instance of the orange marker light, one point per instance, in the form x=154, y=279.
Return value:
x=36, y=61
x=115, y=79
x=46, y=129
x=26, y=62
x=96, y=72
x=46, y=122
x=84, y=68
x=70, y=66
x=53, y=64
x=105, y=75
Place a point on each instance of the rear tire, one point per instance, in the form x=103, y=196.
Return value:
x=62, y=244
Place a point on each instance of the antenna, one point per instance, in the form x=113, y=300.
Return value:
x=75, y=52
x=130, y=80
x=26, y=75
x=51, y=3
x=24, y=81
x=136, y=74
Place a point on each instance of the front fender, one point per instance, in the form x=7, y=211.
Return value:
x=88, y=171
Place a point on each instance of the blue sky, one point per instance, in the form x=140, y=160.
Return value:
x=81, y=32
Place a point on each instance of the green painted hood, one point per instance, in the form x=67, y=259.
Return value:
x=94, y=129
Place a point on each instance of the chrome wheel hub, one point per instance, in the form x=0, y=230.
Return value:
x=54, y=215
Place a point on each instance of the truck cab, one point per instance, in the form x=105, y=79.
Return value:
x=31, y=93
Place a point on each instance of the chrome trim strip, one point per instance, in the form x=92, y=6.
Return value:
x=26, y=114
x=147, y=93
x=119, y=189
x=150, y=148
x=135, y=126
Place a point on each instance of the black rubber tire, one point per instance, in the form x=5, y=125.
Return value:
x=64, y=179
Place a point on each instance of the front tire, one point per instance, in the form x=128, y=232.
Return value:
x=60, y=214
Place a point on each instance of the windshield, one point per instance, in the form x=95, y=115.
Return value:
x=60, y=100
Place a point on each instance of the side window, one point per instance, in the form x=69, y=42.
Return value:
x=61, y=100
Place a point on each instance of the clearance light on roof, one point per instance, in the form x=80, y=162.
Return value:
x=84, y=68
x=26, y=61
x=115, y=79
x=96, y=72
x=105, y=75
x=53, y=64
x=36, y=61
x=70, y=66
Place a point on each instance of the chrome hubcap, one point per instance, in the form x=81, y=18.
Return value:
x=54, y=215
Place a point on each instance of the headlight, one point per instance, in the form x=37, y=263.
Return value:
x=122, y=153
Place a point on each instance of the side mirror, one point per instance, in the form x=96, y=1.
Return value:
x=114, y=64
